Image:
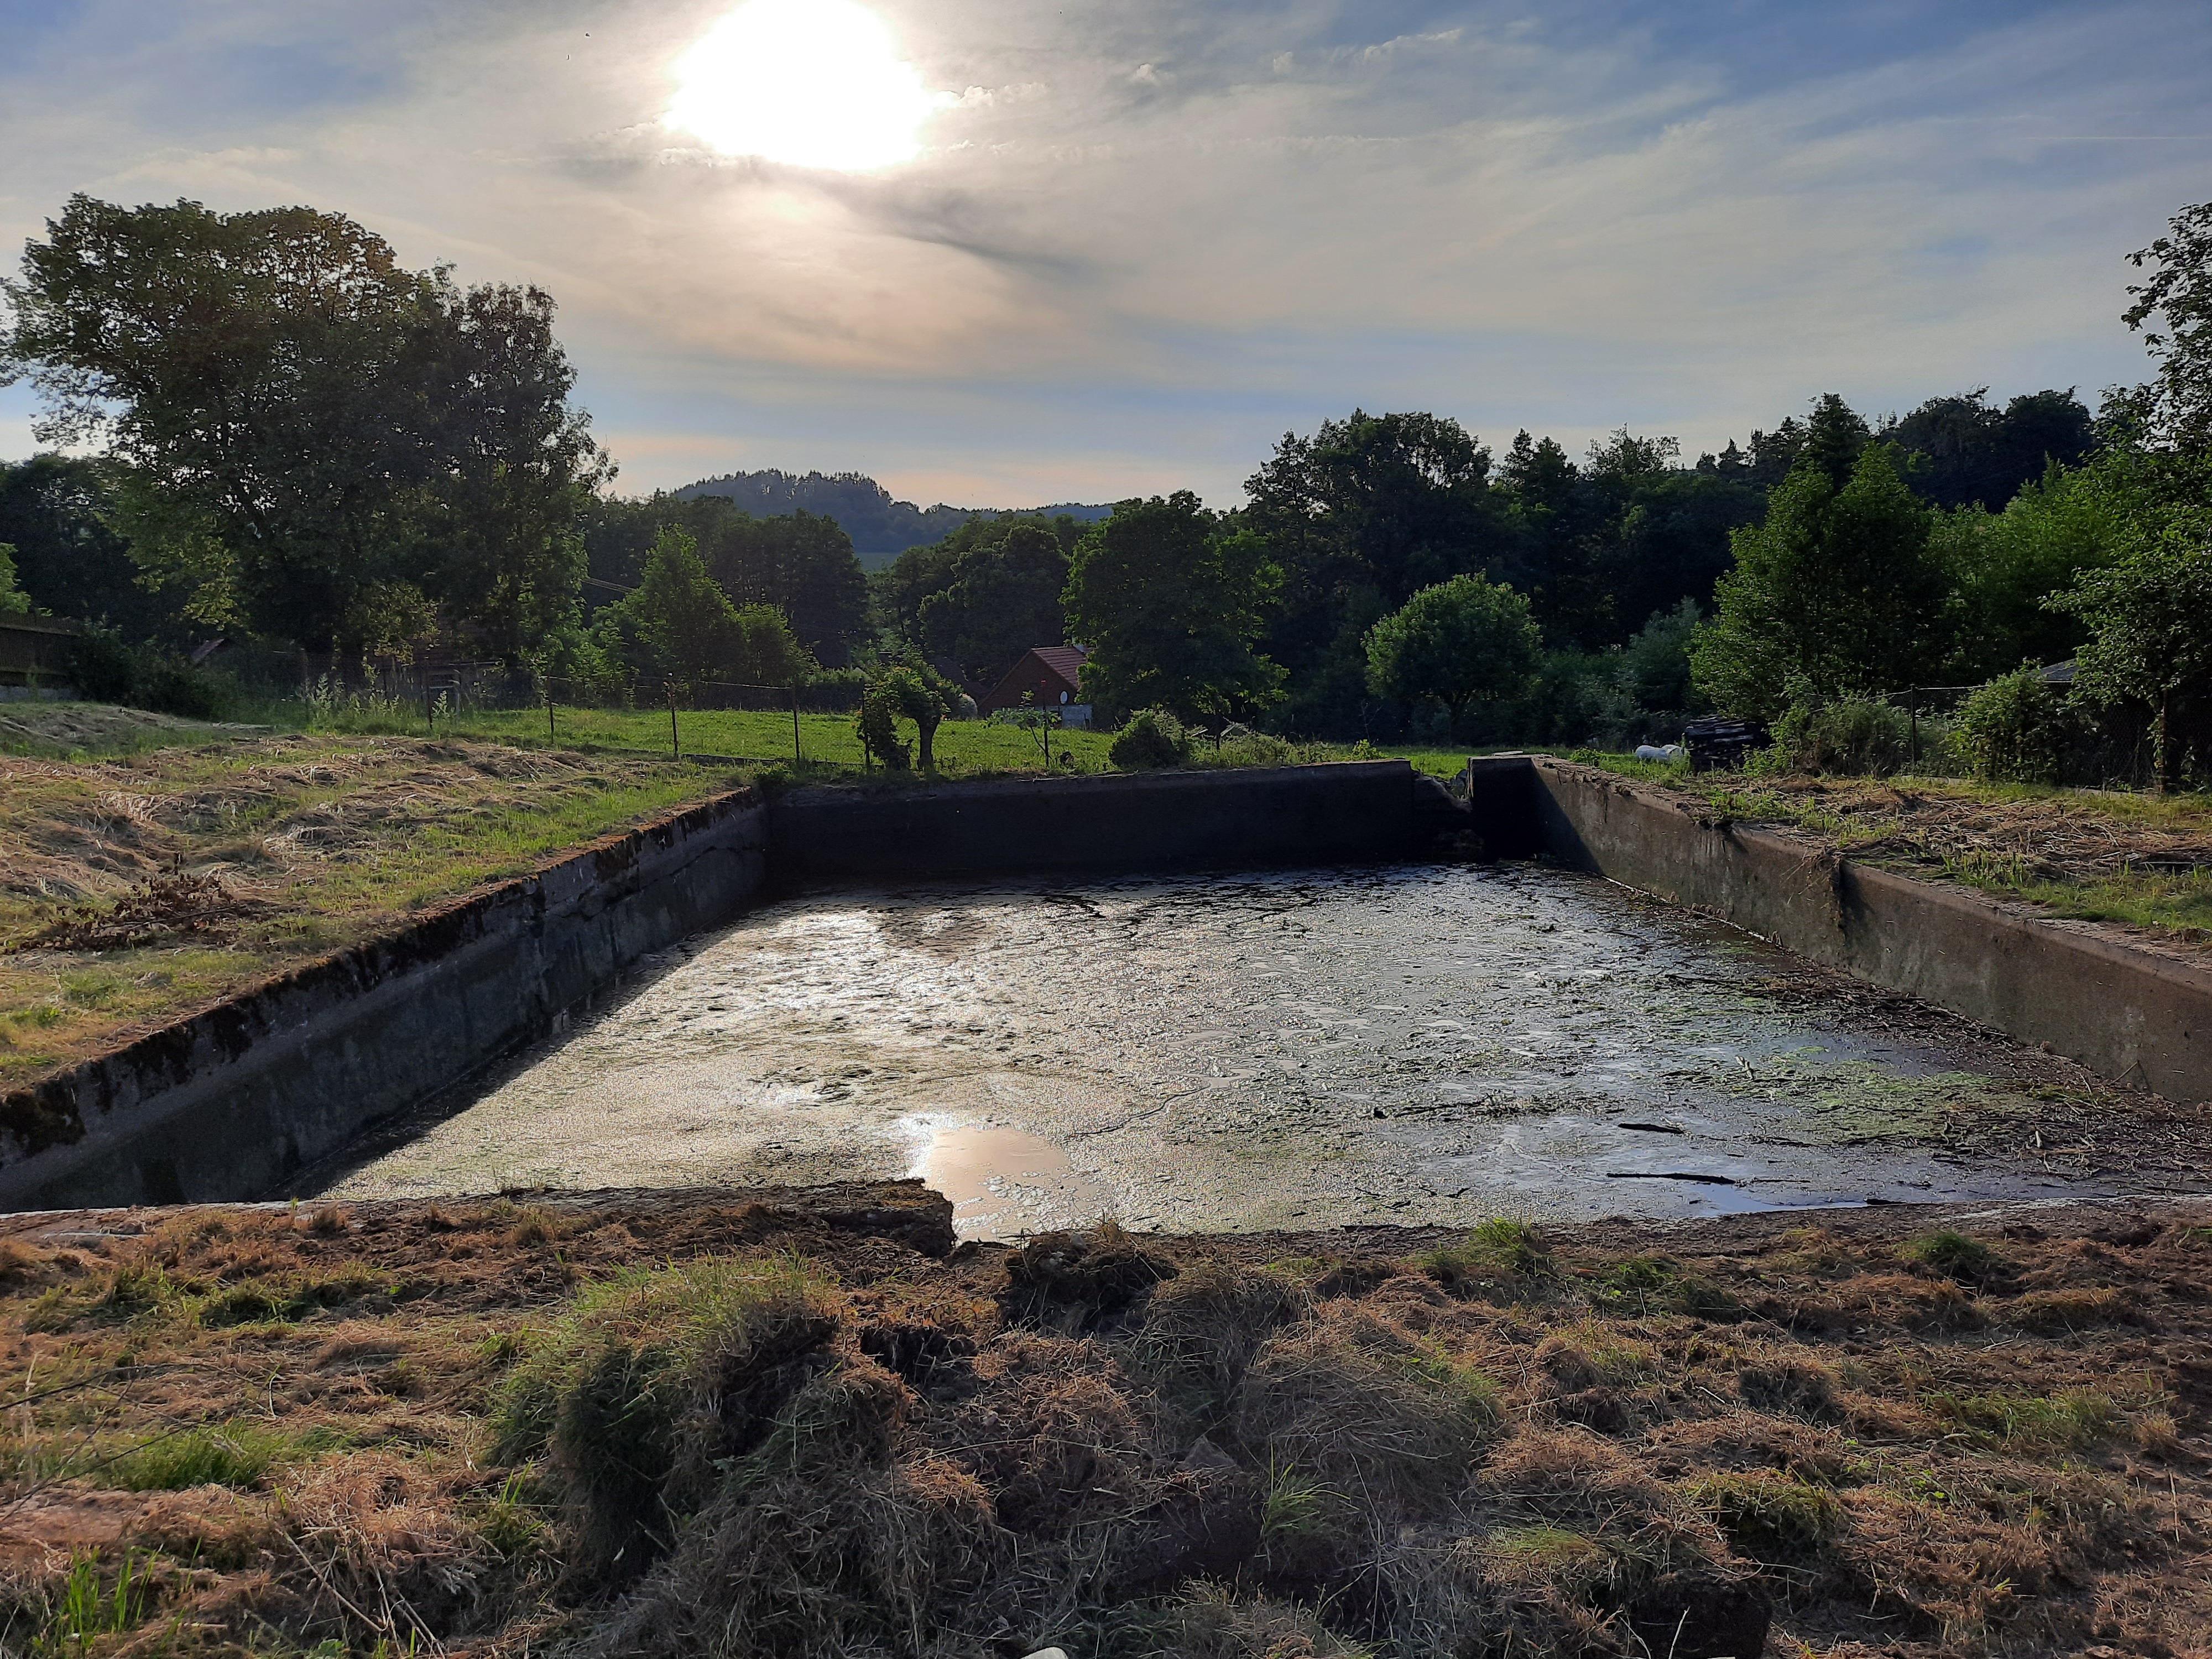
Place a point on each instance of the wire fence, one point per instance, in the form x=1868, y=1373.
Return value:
x=441, y=694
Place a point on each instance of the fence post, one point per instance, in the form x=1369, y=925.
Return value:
x=794, y=726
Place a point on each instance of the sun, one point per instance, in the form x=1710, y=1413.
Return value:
x=814, y=83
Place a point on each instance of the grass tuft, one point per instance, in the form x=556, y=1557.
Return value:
x=1951, y=1253
x=1767, y=1514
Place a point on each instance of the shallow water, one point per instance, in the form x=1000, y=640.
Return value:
x=1416, y=1044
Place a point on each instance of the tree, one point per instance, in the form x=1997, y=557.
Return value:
x=1004, y=597
x=2006, y=564
x=1461, y=641
x=1358, y=517
x=1837, y=584
x=680, y=625
x=800, y=562
x=315, y=443
x=1171, y=601
x=55, y=509
x=1960, y=452
x=2175, y=409
x=2150, y=643
x=13, y=601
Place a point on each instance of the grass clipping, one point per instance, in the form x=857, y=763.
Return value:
x=494, y=1431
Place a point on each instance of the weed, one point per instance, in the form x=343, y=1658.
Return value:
x=235, y=1453
x=289, y=1298
x=653, y=1379
x=1653, y=1283
x=90, y=1609
x=513, y=1524
x=1292, y=1508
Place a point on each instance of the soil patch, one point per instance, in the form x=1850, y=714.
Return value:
x=804, y=1423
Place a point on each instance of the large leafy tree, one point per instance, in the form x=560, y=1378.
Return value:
x=55, y=510
x=1359, y=516
x=1837, y=585
x=1005, y=598
x=2173, y=308
x=1461, y=641
x=1960, y=452
x=1171, y=601
x=314, y=442
x=679, y=627
x=2151, y=643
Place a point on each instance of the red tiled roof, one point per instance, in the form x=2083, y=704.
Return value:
x=1065, y=660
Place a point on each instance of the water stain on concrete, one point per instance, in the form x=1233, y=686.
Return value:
x=1416, y=1043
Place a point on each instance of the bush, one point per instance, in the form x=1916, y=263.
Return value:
x=2017, y=729
x=1850, y=736
x=103, y=669
x=1153, y=738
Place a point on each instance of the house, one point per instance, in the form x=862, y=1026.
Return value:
x=1046, y=676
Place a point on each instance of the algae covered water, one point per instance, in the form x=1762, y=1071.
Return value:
x=1414, y=1044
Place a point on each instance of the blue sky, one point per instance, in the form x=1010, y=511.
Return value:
x=1148, y=238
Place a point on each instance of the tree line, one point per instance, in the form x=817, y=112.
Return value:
x=308, y=446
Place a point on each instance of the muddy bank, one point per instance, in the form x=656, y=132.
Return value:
x=1419, y=1044
x=802, y=1423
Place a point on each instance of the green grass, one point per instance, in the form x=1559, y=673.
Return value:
x=235, y=1454
x=2066, y=1421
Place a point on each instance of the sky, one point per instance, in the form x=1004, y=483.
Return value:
x=1133, y=244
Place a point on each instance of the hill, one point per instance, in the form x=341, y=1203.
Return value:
x=881, y=528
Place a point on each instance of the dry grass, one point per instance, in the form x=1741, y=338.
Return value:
x=136, y=888
x=771, y=1428
x=2143, y=861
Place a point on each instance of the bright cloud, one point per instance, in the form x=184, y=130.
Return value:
x=814, y=83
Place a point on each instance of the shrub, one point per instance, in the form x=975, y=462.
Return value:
x=2016, y=729
x=103, y=669
x=1851, y=736
x=1151, y=738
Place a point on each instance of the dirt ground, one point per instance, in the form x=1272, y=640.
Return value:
x=804, y=1423
x=138, y=888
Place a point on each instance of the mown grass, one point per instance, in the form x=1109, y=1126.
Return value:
x=1858, y=815
x=325, y=840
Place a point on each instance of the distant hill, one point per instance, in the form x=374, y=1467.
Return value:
x=880, y=527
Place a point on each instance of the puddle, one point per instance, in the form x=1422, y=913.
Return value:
x=1004, y=1182
x=1424, y=1044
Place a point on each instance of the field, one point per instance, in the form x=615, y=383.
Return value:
x=137, y=887
x=2142, y=861
x=797, y=1425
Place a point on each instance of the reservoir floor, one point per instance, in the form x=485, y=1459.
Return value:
x=1414, y=1044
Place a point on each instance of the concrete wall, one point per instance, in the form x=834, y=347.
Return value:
x=227, y=1103
x=2128, y=1012
x=1354, y=811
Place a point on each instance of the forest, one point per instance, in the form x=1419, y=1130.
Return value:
x=417, y=484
